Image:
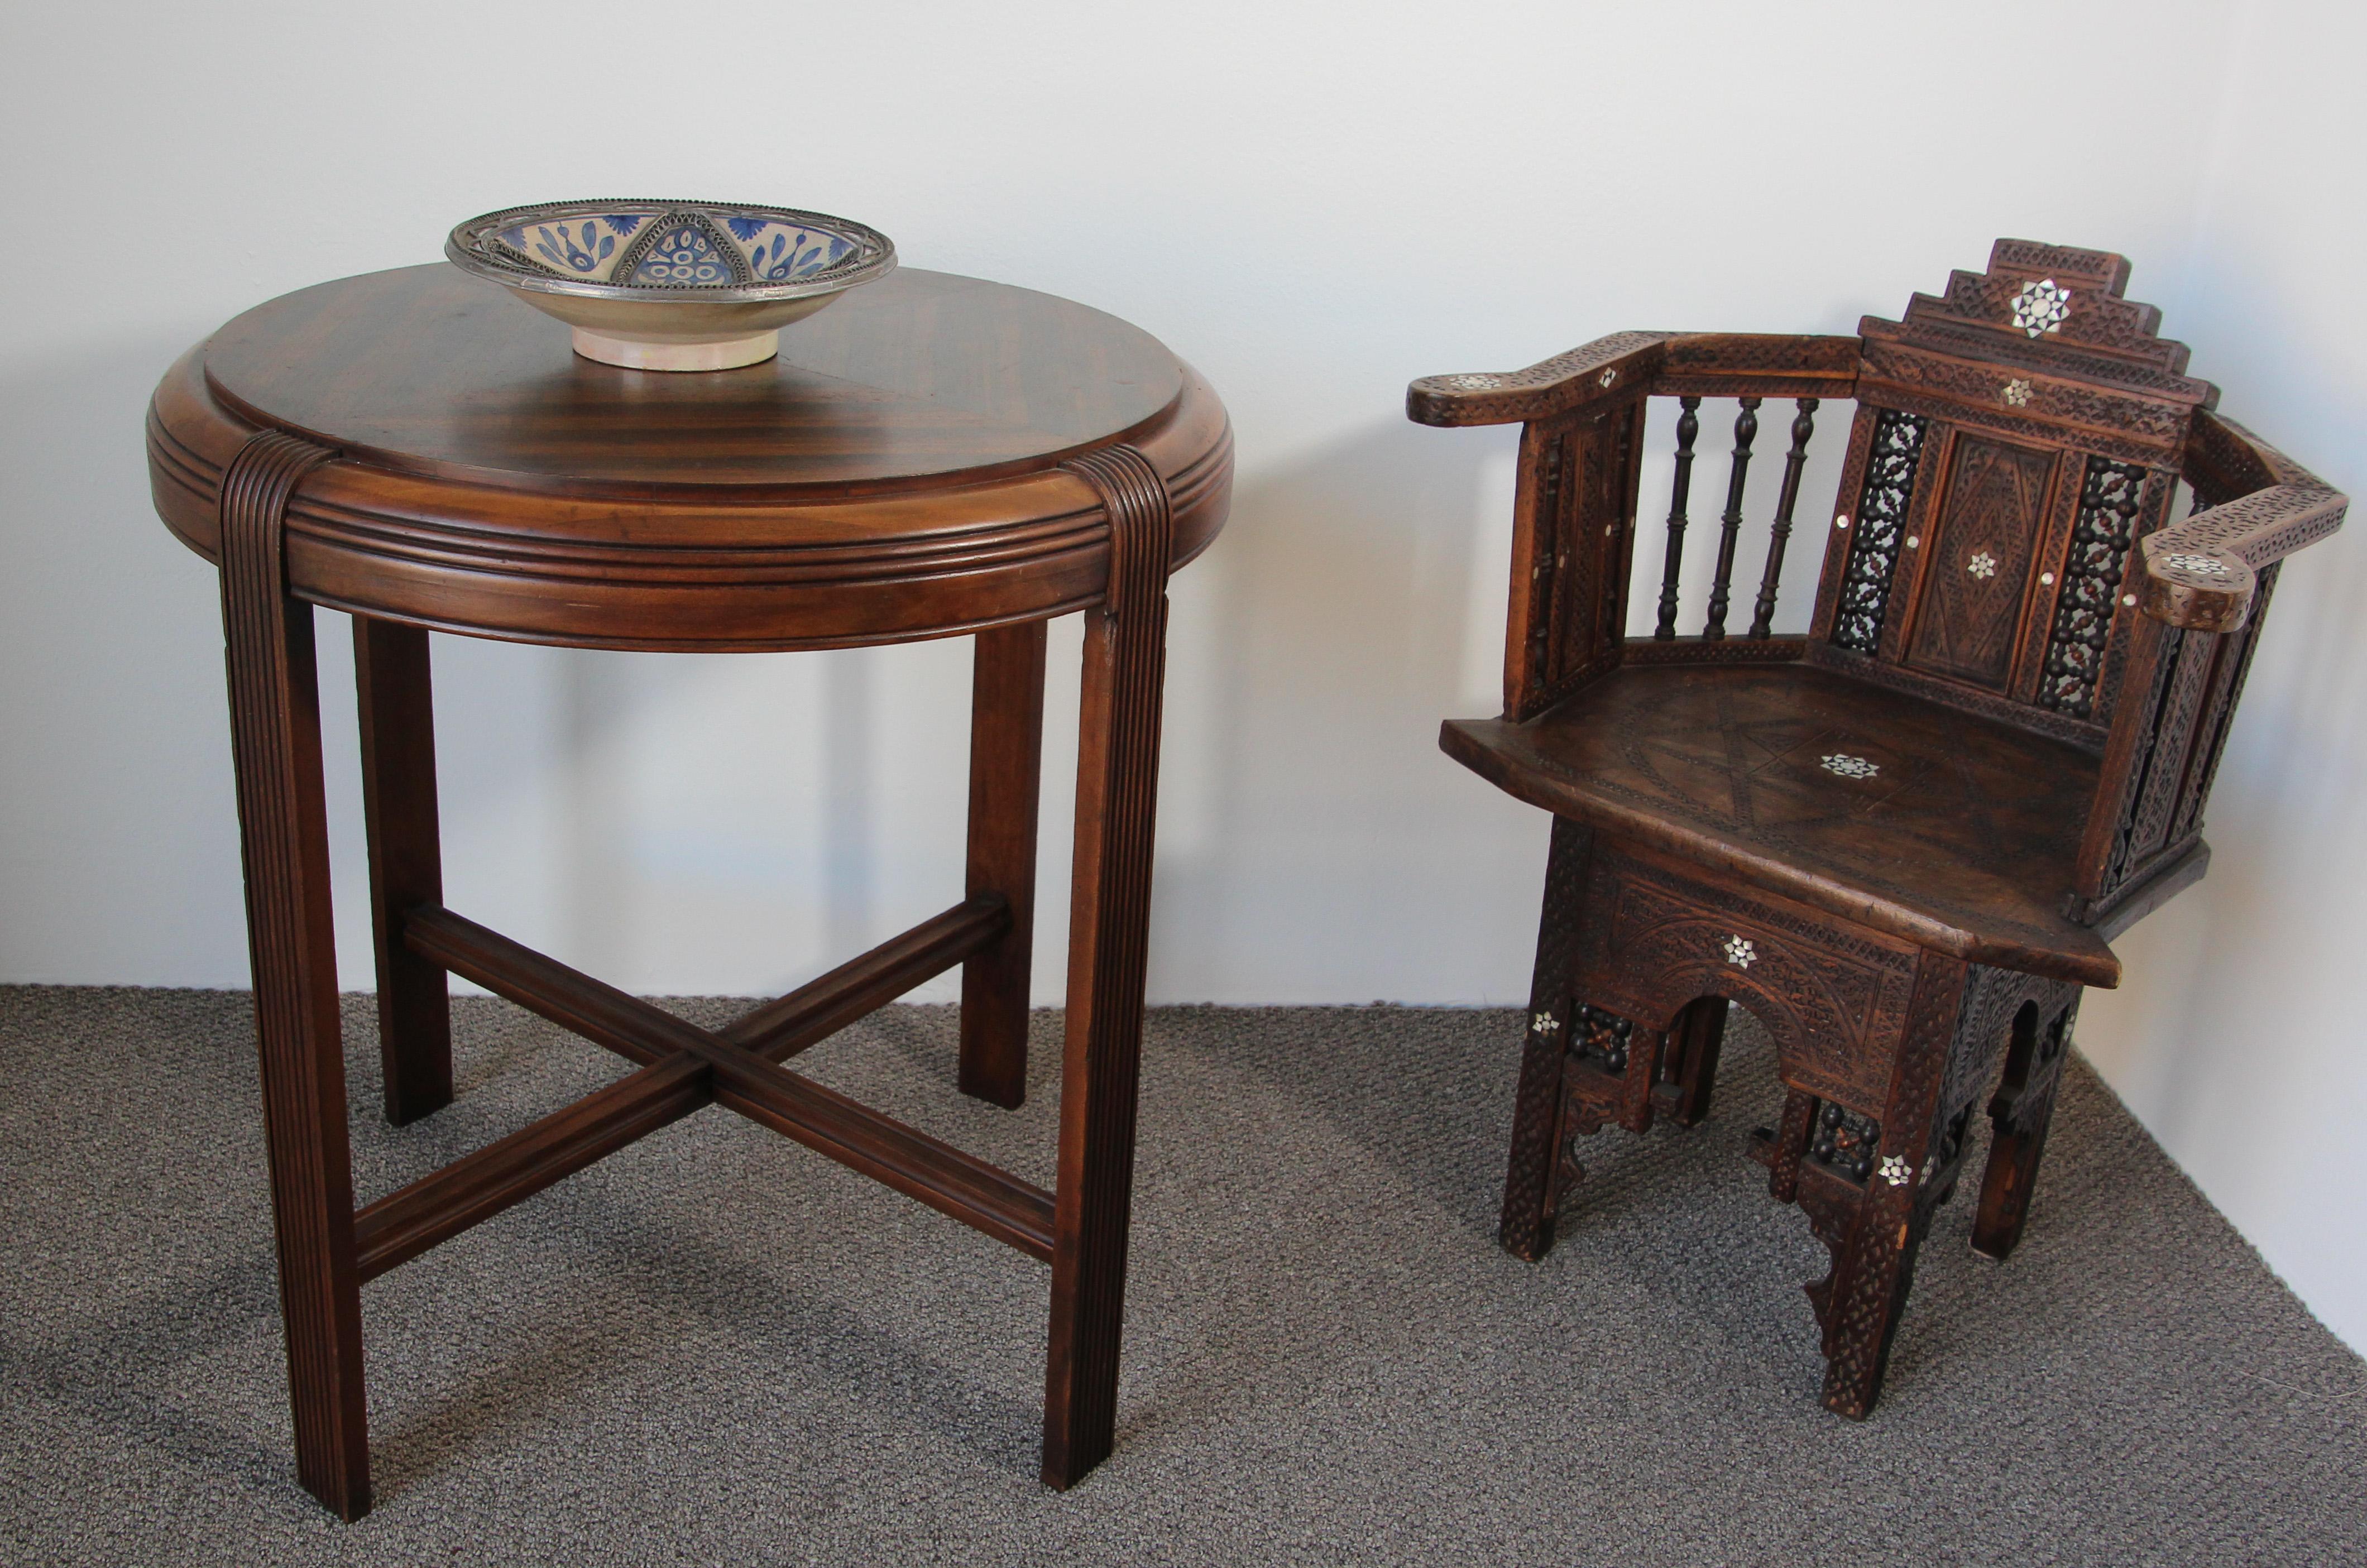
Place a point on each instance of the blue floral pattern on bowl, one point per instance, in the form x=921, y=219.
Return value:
x=559, y=247
x=682, y=256
x=778, y=251
x=659, y=246
x=696, y=282
x=571, y=247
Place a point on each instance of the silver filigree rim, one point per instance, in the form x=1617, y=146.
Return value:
x=473, y=248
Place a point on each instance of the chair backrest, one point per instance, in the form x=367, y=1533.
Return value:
x=2002, y=538
x=2015, y=437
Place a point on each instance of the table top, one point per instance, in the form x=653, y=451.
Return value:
x=894, y=473
x=922, y=374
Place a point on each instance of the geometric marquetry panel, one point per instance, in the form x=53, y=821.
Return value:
x=1976, y=561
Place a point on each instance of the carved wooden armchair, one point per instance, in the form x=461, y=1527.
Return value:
x=1905, y=840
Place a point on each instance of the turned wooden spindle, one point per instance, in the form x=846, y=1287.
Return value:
x=1746, y=425
x=1762, y=617
x=1687, y=427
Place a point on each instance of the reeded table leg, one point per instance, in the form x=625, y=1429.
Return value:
x=1109, y=923
x=398, y=722
x=276, y=741
x=1006, y=767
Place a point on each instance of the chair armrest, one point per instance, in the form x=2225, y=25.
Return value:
x=2201, y=574
x=1723, y=365
x=1607, y=367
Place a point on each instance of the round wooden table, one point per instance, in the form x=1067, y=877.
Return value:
x=932, y=455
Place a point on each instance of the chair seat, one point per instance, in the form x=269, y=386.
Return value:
x=1955, y=831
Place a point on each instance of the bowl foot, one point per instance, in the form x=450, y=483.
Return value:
x=728, y=353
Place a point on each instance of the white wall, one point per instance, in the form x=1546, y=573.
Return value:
x=1313, y=203
x=2236, y=1037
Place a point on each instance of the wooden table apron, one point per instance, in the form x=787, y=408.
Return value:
x=932, y=455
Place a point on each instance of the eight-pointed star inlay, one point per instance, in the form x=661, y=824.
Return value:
x=2041, y=307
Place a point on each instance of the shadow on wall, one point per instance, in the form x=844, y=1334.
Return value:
x=2238, y=993
x=744, y=808
x=1314, y=845
x=738, y=822
x=118, y=848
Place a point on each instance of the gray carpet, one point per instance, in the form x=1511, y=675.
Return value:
x=718, y=1348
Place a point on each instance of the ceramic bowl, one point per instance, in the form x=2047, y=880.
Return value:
x=672, y=285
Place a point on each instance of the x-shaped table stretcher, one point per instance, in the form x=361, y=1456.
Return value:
x=327, y=1246
x=685, y=1067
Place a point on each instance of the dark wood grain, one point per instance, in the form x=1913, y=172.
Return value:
x=1525, y=1227
x=926, y=1170
x=406, y=863
x=1109, y=915
x=275, y=714
x=1721, y=582
x=1006, y=765
x=1904, y=841
x=429, y=370
x=1964, y=841
x=932, y=456
x=1680, y=486
x=1779, y=534
x=700, y=522
x=2038, y=1048
x=881, y=1147
x=828, y=1003
x=505, y=1172
x=1860, y=1303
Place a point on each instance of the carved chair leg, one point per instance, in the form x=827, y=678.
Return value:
x=1006, y=754
x=1610, y=1071
x=1689, y=1068
x=1117, y=781
x=2023, y=1106
x=284, y=840
x=1868, y=1291
x=1781, y=1150
x=1526, y=1227
x=1874, y=1267
x=406, y=863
